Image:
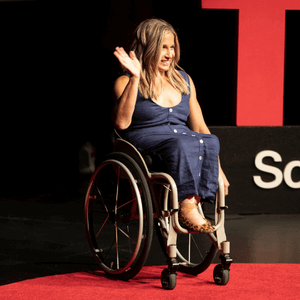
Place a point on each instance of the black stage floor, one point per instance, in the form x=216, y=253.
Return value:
x=44, y=235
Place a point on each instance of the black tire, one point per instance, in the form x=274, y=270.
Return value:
x=221, y=275
x=119, y=216
x=168, y=279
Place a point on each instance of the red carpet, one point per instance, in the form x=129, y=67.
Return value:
x=247, y=281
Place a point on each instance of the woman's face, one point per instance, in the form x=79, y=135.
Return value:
x=167, y=53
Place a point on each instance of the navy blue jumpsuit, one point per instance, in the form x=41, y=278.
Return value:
x=191, y=158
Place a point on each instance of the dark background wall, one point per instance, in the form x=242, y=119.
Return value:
x=239, y=149
x=57, y=71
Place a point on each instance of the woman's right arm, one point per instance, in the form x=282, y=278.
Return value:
x=125, y=90
x=125, y=94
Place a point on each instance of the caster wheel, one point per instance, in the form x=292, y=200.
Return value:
x=168, y=280
x=221, y=276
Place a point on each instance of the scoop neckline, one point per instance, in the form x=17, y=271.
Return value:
x=166, y=106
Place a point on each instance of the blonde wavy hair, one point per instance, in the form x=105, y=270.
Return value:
x=147, y=45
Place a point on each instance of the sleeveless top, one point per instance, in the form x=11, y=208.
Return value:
x=191, y=158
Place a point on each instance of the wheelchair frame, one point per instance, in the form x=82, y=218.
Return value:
x=167, y=215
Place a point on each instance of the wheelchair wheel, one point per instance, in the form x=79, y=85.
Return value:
x=119, y=216
x=195, y=251
x=221, y=275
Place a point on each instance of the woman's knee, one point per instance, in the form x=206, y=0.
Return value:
x=177, y=144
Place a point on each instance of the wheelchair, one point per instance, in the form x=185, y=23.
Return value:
x=125, y=200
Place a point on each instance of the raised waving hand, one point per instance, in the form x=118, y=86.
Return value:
x=129, y=62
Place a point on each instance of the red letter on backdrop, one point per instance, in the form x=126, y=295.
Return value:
x=260, y=58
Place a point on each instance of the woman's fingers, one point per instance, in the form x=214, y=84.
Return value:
x=225, y=182
x=129, y=62
x=121, y=52
x=132, y=55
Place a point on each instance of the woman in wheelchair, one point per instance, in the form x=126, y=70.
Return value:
x=156, y=109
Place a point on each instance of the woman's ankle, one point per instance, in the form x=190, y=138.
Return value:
x=192, y=199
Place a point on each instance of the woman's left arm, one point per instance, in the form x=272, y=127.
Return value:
x=196, y=123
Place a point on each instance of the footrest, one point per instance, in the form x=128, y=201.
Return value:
x=223, y=207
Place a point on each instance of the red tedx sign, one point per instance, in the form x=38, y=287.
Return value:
x=261, y=40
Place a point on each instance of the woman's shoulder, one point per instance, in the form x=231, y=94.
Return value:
x=183, y=74
x=123, y=77
x=122, y=80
